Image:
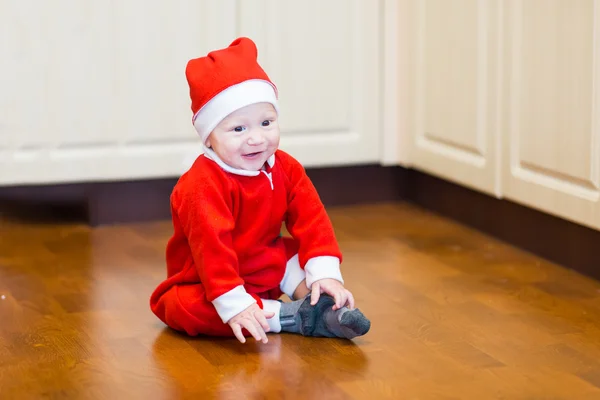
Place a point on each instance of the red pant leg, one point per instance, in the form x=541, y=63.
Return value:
x=185, y=308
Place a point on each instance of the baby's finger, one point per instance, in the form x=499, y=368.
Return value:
x=343, y=299
x=340, y=300
x=237, y=331
x=316, y=292
x=268, y=314
x=261, y=332
x=260, y=317
x=335, y=296
x=350, y=300
x=251, y=328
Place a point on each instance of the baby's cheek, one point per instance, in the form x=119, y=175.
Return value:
x=273, y=137
x=234, y=148
x=231, y=144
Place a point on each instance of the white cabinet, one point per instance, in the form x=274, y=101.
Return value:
x=92, y=91
x=497, y=95
x=97, y=92
x=454, y=89
x=505, y=99
x=552, y=133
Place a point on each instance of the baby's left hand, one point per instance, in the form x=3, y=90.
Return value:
x=333, y=288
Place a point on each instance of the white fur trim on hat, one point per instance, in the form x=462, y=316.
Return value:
x=233, y=98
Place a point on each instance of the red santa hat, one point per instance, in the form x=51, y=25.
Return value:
x=226, y=80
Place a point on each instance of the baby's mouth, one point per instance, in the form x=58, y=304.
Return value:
x=252, y=155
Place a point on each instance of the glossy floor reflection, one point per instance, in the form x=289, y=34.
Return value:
x=455, y=315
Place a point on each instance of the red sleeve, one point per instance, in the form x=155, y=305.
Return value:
x=307, y=221
x=203, y=206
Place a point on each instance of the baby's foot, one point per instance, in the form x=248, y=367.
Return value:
x=321, y=321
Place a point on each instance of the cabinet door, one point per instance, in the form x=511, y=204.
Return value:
x=92, y=91
x=552, y=160
x=324, y=58
x=455, y=118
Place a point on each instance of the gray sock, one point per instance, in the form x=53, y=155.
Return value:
x=320, y=320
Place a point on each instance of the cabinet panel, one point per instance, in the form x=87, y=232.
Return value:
x=454, y=78
x=91, y=92
x=324, y=58
x=456, y=91
x=555, y=87
x=553, y=157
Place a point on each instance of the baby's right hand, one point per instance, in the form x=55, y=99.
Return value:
x=254, y=319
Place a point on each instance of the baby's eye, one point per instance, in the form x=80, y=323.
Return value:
x=266, y=123
x=239, y=129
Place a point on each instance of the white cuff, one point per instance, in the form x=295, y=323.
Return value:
x=275, y=307
x=294, y=275
x=322, y=267
x=232, y=303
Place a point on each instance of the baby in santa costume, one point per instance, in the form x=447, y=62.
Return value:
x=227, y=263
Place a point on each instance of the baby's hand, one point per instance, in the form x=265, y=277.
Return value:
x=254, y=320
x=333, y=288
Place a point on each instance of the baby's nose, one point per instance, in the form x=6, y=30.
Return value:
x=255, y=138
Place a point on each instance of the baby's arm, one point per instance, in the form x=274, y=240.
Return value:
x=203, y=206
x=308, y=222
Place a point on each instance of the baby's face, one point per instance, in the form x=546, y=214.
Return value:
x=246, y=138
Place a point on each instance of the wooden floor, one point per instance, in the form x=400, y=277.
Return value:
x=455, y=315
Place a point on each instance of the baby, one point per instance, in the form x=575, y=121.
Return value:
x=227, y=262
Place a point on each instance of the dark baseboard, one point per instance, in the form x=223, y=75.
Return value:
x=105, y=203
x=555, y=239
x=119, y=202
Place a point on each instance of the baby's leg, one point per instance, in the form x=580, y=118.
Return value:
x=185, y=308
x=319, y=320
x=293, y=283
x=301, y=291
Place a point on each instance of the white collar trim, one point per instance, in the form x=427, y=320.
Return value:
x=210, y=154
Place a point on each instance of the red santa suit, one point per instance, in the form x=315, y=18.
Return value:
x=226, y=252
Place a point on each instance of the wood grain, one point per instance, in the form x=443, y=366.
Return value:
x=455, y=315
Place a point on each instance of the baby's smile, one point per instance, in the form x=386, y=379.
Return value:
x=252, y=155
